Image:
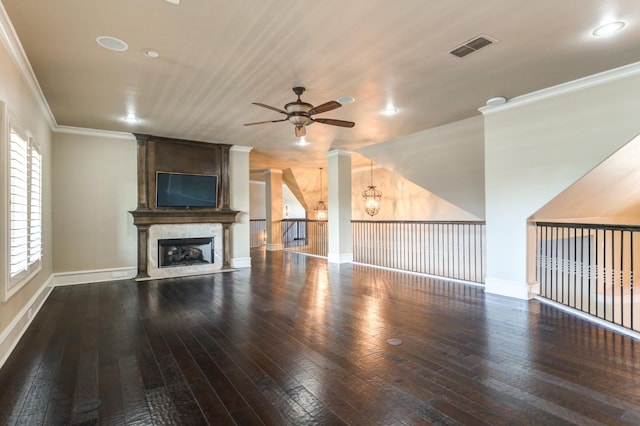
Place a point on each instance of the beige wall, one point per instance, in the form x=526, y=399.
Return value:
x=95, y=185
x=401, y=199
x=27, y=108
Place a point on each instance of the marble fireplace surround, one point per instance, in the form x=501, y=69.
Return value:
x=196, y=230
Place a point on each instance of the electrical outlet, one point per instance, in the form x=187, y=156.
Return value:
x=29, y=313
x=119, y=274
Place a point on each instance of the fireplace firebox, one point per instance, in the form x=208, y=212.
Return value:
x=185, y=252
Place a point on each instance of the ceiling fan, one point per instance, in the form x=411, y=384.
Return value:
x=300, y=113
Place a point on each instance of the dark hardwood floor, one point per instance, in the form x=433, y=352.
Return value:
x=294, y=341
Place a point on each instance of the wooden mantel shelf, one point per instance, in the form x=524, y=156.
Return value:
x=175, y=216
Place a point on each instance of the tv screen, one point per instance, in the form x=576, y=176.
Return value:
x=186, y=190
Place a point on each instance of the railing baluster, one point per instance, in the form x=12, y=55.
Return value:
x=633, y=325
x=575, y=266
x=604, y=255
x=622, y=278
x=446, y=249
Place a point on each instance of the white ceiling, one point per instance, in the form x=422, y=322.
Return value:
x=217, y=57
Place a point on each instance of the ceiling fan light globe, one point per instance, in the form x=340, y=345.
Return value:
x=299, y=120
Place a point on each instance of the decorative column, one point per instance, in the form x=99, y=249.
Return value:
x=273, y=201
x=340, y=228
x=143, y=238
x=143, y=196
x=240, y=201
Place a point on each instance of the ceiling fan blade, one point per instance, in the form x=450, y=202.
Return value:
x=300, y=131
x=270, y=107
x=333, y=122
x=264, y=122
x=327, y=106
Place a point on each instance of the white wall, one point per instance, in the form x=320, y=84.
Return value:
x=609, y=193
x=296, y=211
x=448, y=161
x=240, y=201
x=538, y=145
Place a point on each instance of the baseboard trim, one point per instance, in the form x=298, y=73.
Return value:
x=508, y=288
x=587, y=317
x=13, y=333
x=94, y=276
x=340, y=257
x=421, y=274
x=194, y=274
x=241, y=262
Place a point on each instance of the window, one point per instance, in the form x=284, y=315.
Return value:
x=25, y=210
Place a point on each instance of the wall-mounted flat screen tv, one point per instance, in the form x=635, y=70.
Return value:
x=186, y=190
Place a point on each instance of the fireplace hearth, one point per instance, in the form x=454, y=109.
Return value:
x=185, y=252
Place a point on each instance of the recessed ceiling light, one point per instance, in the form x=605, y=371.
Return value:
x=112, y=43
x=151, y=54
x=131, y=119
x=346, y=99
x=496, y=100
x=173, y=1
x=389, y=110
x=608, y=28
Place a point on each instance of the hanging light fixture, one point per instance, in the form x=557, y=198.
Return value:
x=371, y=197
x=320, y=207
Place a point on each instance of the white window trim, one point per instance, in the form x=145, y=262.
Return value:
x=11, y=286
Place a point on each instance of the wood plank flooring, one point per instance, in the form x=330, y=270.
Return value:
x=296, y=341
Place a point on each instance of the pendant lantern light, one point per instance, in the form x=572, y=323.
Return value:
x=371, y=197
x=320, y=207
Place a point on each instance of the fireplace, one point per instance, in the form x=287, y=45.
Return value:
x=157, y=223
x=175, y=252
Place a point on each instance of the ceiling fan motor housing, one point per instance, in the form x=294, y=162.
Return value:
x=298, y=113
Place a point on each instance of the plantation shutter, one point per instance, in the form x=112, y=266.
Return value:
x=18, y=204
x=35, y=208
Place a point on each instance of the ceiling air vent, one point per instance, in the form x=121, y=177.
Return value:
x=472, y=46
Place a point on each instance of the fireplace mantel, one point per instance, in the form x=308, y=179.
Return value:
x=144, y=218
x=175, y=216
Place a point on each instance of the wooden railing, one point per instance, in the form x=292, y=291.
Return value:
x=447, y=249
x=590, y=268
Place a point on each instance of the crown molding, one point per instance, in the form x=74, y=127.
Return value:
x=17, y=54
x=366, y=168
x=241, y=148
x=92, y=132
x=608, y=76
x=339, y=152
